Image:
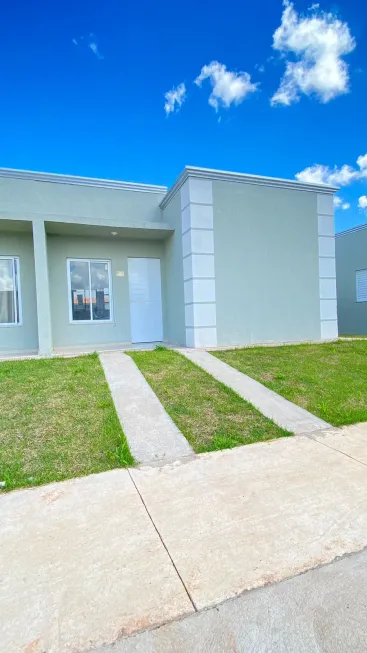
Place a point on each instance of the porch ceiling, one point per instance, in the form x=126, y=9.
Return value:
x=16, y=225
x=132, y=231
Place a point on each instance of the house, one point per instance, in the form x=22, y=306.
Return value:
x=351, y=277
x=219, y=259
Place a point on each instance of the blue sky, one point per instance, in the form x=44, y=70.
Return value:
x=84, y=84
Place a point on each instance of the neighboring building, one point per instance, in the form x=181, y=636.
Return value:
x=351, y=277
x=220, y=259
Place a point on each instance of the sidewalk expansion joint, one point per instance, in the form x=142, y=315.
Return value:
x=163, y=542
x=311, y=437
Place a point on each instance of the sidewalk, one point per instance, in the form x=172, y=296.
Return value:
x=88, y=561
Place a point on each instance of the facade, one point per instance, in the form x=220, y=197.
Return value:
x=220, y=259
x=351, y=277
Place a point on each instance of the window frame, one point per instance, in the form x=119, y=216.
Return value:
x=18, y=309
x=70, y=306
x=360, y=301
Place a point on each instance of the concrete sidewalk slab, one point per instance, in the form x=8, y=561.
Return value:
x=286, y=414
x=322, y=611
x=150, y=432
x=81, y=565
x=350, y=440
x=253, y=515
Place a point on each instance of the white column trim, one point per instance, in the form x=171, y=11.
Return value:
x=327, y=271
x=198, y=262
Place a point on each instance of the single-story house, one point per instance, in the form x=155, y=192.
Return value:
x=351, y=278
x=219, y=259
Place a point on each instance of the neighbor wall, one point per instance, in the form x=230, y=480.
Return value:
x=351, y=255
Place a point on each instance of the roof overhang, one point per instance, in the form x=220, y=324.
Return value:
x=239, y=177
x=80, y=181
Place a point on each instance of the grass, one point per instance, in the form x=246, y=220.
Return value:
x=57, y=421
x=329, y=380
x=210, y=415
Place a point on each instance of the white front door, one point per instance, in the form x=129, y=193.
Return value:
x=145, y=299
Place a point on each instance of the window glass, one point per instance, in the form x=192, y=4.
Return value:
x=100, y=284
x=80, y=290
x=9, y=291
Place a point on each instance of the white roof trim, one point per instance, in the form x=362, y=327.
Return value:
x=239, y=177
x=352, y=230
x=80, y=181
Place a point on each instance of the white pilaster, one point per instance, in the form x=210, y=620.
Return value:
x=327, y=272
x=198, y=262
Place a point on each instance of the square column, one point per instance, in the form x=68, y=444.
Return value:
x=42, y=288
x=198, y=263
x=327, y=270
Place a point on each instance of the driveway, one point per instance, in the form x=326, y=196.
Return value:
x=88, y=561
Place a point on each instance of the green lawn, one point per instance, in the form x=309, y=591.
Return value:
x=210, y=415
x=329, y=380
x=57, y=421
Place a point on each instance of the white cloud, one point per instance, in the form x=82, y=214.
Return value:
x=90, y=42
x=228, y=87
x=94, y=47
x=340, y=204
x=343, y=176
x=174, y=97
x=362, y=202
x=318, y=42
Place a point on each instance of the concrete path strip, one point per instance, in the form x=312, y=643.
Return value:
x=289, y=416
x=322, y=611
x=239, y=519
x=81, y=564
x=150, y=432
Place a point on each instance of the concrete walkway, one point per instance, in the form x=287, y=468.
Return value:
x=289, y=416
x=150, y=432
x=88, y=561
x=322, y=611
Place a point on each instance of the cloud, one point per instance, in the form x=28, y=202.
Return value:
x=228, y=87
x=343, y=176
x=260, y=68
x=318, y=43
x=340, y=204
x=90, y=42
x=175, y=96
x=362, y=202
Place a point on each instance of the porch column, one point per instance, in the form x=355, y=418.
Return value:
x=42, y=288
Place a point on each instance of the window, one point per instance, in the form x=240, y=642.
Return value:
x=89, y=290
x=10, y=308
x=361, y=285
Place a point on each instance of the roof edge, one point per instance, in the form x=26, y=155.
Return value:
x=244, y=178
x=359, y=227
x=79, y=181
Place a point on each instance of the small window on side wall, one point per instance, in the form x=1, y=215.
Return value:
x=361, y=285
x=90, y=297
x=10, y=301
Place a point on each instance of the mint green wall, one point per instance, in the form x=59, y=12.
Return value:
x=59, y=249
x=175, y=302
x=351, y=255
x=24, y=337
x=54, y=201
x=266, y=264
